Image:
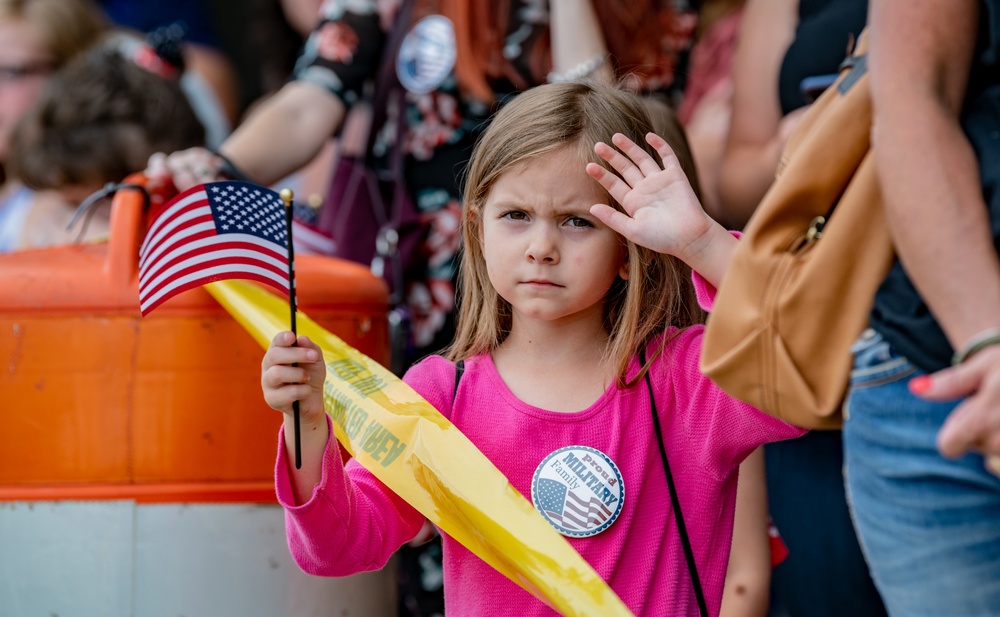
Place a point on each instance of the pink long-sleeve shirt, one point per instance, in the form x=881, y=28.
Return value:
x=353, y=523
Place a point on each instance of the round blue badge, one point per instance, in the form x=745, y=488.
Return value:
x=427, y=54
x=579, y=490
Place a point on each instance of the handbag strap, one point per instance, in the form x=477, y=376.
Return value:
x=856, y=65
x=459, y=369
x=386, y=81
x=387, y=88
x=674, y=499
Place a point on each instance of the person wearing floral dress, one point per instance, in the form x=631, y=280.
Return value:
x=487, y=52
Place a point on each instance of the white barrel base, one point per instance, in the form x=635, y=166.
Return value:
x=122, y=559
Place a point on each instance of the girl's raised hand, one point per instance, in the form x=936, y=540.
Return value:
x=284, y=383
x=661, y=210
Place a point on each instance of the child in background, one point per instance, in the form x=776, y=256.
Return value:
x=563, y=287
x=97, y=121
x=37, y=38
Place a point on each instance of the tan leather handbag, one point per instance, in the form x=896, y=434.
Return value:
x=803, y=278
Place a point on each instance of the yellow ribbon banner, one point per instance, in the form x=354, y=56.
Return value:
x=414, y=450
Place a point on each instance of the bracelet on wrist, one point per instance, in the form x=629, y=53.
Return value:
x=229, y=169
x=579, y=71
x=976, y=344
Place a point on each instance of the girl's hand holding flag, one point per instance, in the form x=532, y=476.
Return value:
x=292, y=374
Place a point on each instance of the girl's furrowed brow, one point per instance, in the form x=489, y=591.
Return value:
x=506, y=204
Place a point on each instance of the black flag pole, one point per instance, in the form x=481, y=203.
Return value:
x=286, y=196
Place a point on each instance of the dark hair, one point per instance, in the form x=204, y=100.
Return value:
x=98, y=120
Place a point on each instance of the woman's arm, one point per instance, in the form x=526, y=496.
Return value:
x=301, y=14
x=577, y=41
x=285, y=132
x=757, y=133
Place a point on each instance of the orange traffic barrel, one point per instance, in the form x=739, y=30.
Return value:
x=136, y=460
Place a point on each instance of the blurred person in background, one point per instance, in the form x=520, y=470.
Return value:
x=208, y=65
x=706, y=107
x=207, y=74
x=301, y=14
x=37, y=37
x=467, y=58
x=783, y=48
x=96, y=121
x=922, y=420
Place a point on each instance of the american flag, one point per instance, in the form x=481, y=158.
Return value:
x=309, y=239
x=568, y=509
x=211, y=232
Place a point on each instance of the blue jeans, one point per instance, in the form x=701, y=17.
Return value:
x=929, y=526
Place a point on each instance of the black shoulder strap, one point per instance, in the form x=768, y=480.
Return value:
x=459, y=369
x=674, y=499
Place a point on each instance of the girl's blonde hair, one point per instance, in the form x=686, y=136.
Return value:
x=575, y=115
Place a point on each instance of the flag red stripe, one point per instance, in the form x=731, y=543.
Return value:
x=169, y=214
x=214, y=274
x=179, y=221
x=208, y=243
x=171, y=244
x=209, y=279
x=177, y=232
x=204, y=264
x=310, y=240
x=593, y=504
x=220, y=244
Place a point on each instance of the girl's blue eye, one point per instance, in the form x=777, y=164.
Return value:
x=576, y=221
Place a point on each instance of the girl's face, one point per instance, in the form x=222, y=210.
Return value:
x=546, y=254
x=25, y=65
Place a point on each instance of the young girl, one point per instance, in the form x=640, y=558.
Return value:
x=563, y=288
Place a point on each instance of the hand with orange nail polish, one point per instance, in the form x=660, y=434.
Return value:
x=975, y=423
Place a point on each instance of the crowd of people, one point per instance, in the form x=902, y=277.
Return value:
x=581, y=170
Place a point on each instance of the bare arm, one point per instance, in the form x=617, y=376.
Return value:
x=748, y=579
x=577, y=37
x=283, y=134
x=301, y=14
x=756, y=135
x=933, y=200
x=919, y=65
